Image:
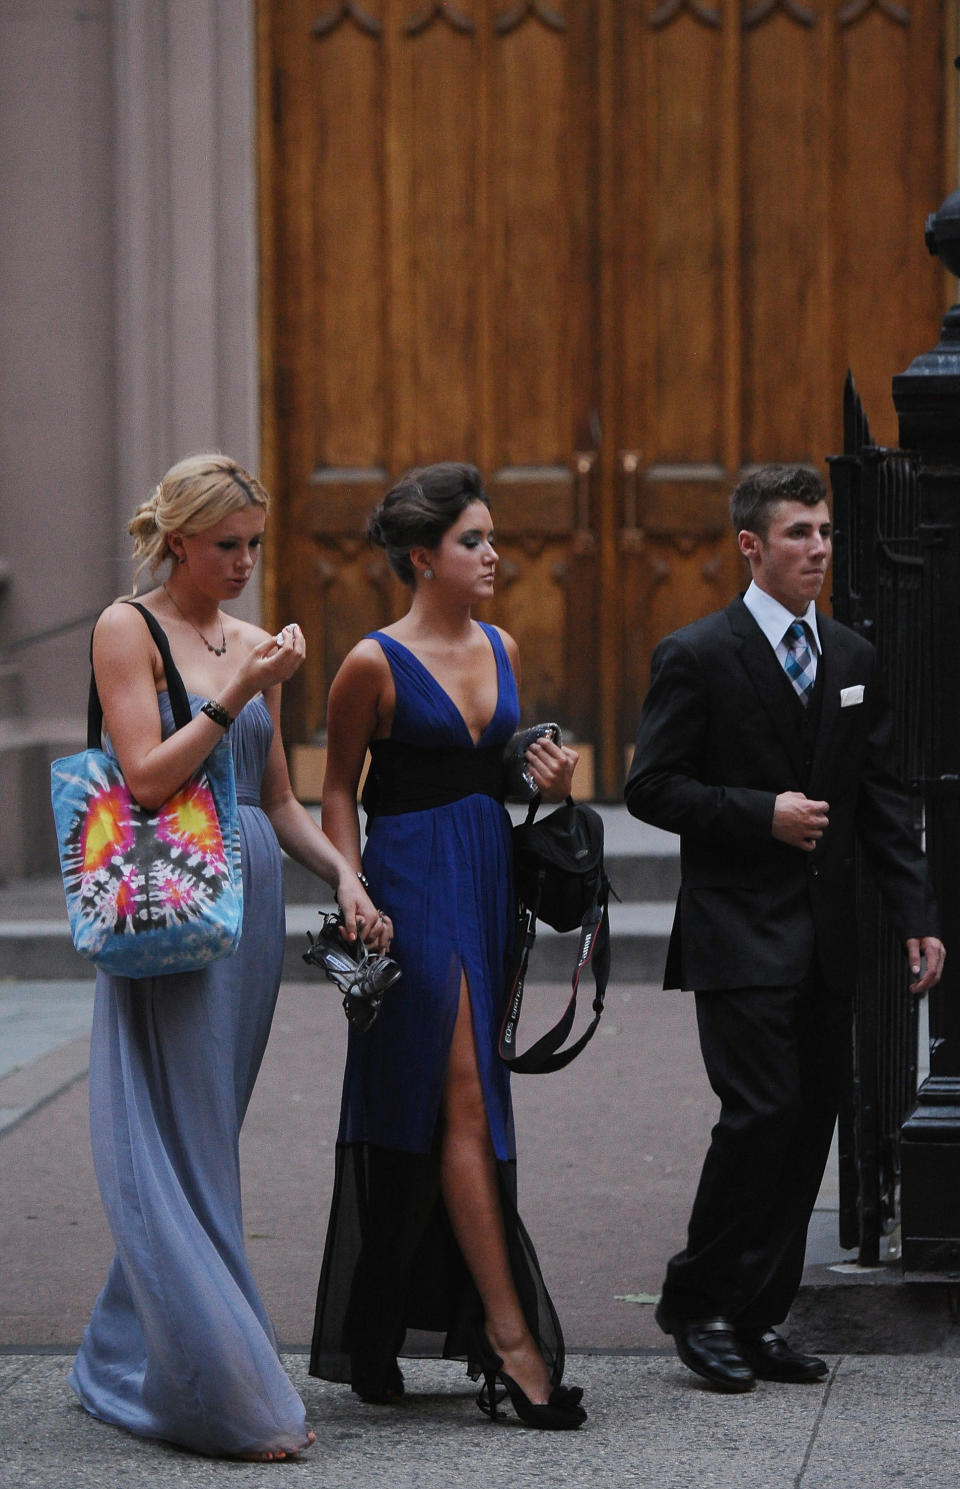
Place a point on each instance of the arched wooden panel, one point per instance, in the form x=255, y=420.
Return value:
x=611, y=250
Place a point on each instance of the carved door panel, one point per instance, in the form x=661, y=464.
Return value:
x=775, y=164
x=614, y=251
x=436, y=230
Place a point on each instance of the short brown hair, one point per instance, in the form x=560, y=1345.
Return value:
x=754, y=498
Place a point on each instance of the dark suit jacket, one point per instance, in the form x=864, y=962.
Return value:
x=721, y=734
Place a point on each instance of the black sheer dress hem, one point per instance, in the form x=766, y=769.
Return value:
x=394, y=1281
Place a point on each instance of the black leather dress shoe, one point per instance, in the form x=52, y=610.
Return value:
x=709, y=1347
x=771, y=1358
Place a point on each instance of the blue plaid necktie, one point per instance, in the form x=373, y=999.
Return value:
x=799, y=663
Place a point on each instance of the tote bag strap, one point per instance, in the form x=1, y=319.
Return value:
x=179, y=701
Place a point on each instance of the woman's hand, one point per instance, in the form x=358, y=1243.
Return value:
x=265, y=666
x=360, y=915
x=126, y=665
x=380, y=933
x=552, y=767
x=270, y=662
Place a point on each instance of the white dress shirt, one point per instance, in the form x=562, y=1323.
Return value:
x=774, y=618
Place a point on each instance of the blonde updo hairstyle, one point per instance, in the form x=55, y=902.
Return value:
x=195, y=494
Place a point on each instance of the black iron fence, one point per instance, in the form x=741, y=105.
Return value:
x=878, y=590
x=897, y=581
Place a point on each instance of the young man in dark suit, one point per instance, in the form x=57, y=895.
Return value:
x=765, y=742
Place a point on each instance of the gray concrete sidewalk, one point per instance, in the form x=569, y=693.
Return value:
x=876, y=1423
x=609, y=1151
x=609, y=1154
x=44, y=1043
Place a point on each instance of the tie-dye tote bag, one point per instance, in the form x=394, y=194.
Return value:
x=149, y=891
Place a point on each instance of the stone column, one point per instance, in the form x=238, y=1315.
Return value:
x=186, y=255
x=56, y=343
x=128, y=327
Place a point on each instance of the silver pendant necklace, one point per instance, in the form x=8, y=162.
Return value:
x=217, y=651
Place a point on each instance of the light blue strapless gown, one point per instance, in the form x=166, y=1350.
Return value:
x=179, y=1345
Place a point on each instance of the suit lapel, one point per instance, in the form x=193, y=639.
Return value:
x=767, y=679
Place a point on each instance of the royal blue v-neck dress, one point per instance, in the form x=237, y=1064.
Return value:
x=439, y=859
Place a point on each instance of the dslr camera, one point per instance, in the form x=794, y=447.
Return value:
x=362, y=976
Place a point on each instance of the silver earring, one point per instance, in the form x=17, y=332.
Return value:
x=428, y=573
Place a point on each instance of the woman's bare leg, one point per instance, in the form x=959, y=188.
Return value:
x=468, y=1178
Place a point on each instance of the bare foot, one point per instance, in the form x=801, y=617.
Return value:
x=273, y=1455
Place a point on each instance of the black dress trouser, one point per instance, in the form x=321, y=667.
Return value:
x=779, y=1060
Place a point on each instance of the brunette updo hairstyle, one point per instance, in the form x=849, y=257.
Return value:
x=421, y=507
x=195, y=494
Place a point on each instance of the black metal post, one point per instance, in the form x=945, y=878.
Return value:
x=927, y=399
x=878, y=591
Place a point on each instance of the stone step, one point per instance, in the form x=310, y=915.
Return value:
x=38, y=947
x=642, y=863
x=11, y=691
x=638, y=940
x=28, y=846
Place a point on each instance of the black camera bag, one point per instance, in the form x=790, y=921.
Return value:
x=560, y=878
x=558, y=863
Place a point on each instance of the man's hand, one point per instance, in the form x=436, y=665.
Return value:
x=799, y=821
x=934, y=952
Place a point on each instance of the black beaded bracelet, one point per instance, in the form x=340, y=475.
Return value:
x=217, y=713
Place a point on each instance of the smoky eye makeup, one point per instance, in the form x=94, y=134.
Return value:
x=227, y=544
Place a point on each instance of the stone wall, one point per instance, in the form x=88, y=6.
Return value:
x=128, y=325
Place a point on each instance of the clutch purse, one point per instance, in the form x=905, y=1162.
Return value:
x=150, y=892
x=518, y=783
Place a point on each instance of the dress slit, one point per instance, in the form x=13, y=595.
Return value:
x=464, y=982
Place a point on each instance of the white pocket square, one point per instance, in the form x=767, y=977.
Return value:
x=849, y=696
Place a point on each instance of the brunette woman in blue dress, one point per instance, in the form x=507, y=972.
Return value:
x=424, y=1238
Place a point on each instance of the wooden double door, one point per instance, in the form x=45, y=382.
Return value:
x=612, y=251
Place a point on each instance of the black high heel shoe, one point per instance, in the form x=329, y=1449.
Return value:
x=562, y=1413
x=383, y=1389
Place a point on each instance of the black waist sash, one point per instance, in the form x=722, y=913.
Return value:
x=405, y=778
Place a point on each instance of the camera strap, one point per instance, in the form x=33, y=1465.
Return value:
x=593, y=953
